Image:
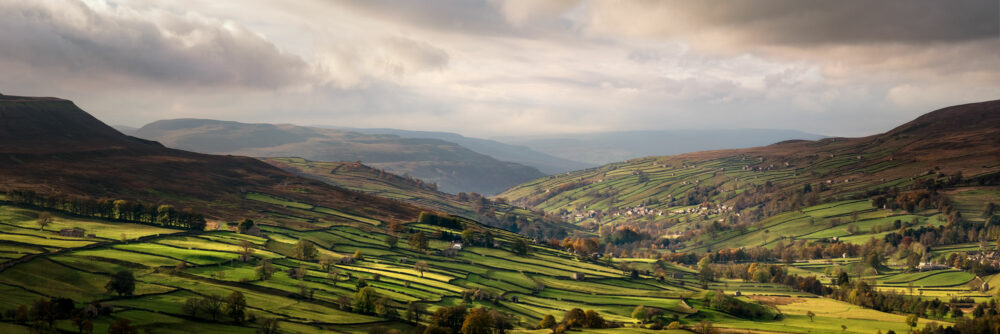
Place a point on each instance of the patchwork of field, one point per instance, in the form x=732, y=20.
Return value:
x=173, y=266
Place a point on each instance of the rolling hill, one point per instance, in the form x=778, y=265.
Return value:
x=524, y=155
x=955, y=150
x=607, y=147
x=326, y=259
x=361, y=178
x=452, y=167
x=53, y=147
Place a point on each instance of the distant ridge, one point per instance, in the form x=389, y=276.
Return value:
x=453, y=167
x=51, y=146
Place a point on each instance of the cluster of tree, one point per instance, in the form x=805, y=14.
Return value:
x=623, y=236
x=719, y=301
x=583, y=246
x=979, y=267
x=459, y=319
x=211, y=307
x=43, y=313
x=445, y=221
x=956, y=231
x=912, y=200
x=481, y=237
x=659, y=319
x=120, y=210
x=575, y=318
x=863, y=294
x=787, y=252
x=766, y=273
x=536, y=227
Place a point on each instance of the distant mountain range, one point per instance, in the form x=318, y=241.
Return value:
x=452, y=167
x=607, y=147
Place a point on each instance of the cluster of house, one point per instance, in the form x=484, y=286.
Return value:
x=928, y=266
x=705, y=209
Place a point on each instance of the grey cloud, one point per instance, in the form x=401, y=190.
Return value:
x=407, y=55
x=465, y=16
x=805, y=22
x=155, y=47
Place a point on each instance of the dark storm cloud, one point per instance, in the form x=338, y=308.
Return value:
x=164, y=48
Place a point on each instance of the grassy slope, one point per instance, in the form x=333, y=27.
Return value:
x=81, y=274
x=847, y=167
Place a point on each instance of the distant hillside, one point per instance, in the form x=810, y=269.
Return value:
x=954, y=150
x=452, y=167
x=53, y=147
x=362, y=178
x=125, y=129
x=607, y=147
x=524, y=155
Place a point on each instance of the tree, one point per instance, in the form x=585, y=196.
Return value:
x=82, y=322
x=268, y=326
x=520, y=247
x=413, y=311
x=811, y=315
x=547, y=322
x=44, y=219
x=364, y=300
x=246, y=250
x=418, y=241
x=391, y=240
x=245, y=225
x=43, y=311
x=358, y=256
x=574, y=317
x=639, y=313
x=911, y=321
x=122, y=326
x=265, y=270
x=705, y=268
x=384, y=310
x=477, y=322
x=212, y=305
x=236, y=306
x=421, y=267
x=705, y=327
x=327, y=261
x=449, y=317
x=122, y=283
x=592, y=319
x=305, y=250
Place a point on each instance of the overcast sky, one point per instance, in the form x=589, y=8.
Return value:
x=514, y=67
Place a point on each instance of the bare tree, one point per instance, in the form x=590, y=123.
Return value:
x=421, y=267
x=44, y=219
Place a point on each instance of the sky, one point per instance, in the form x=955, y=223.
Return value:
x=488, y=68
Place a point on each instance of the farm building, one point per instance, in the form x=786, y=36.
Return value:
x=75, y=232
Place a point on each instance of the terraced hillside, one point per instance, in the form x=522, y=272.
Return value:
x=797, y=189
x=359, y=177
x=179, y=273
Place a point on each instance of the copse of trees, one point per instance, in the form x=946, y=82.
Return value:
x=112, y=209
x=445, y=221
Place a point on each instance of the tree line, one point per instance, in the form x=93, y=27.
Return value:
x=112, y=209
